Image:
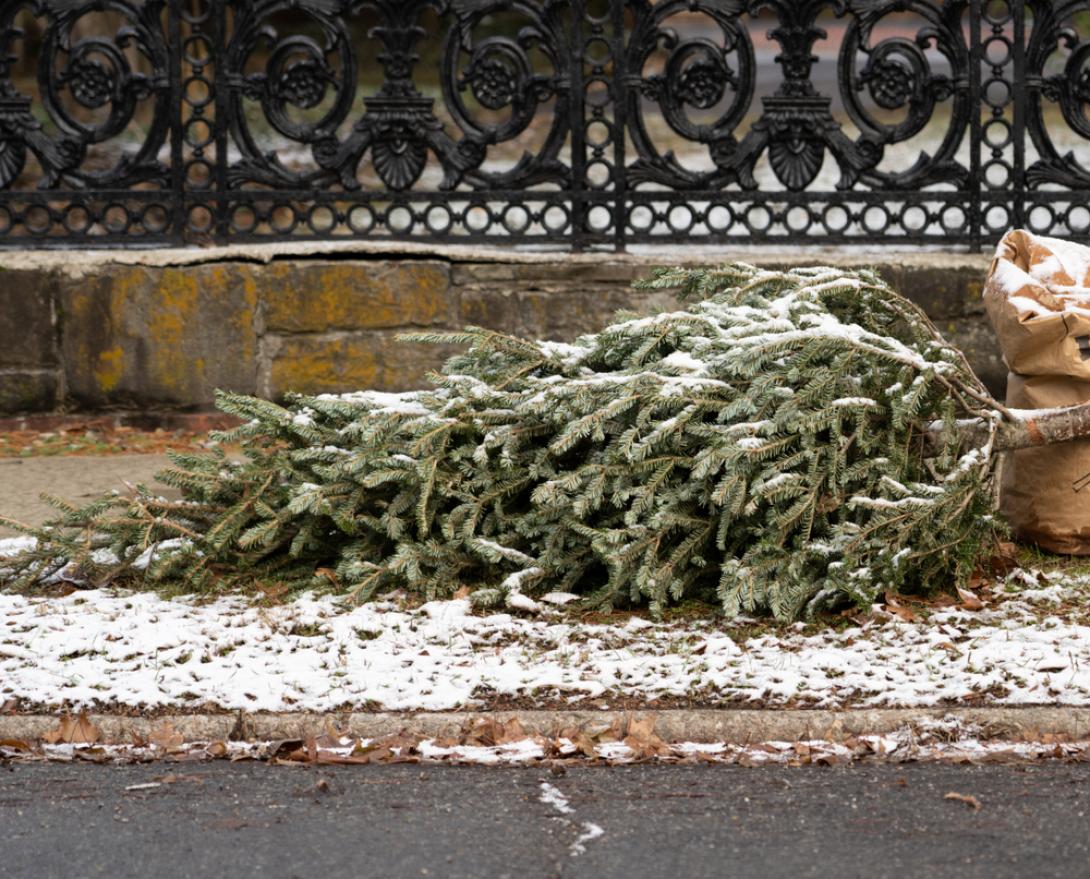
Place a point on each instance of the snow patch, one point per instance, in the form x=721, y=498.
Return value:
x=100, y=647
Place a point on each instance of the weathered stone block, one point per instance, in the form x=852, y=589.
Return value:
x=491, y=308
x=26, y=319
x=563, y=314
x=943, y=290
x=944, y=285
x=974, y=336
x=605, y=269
x=473, y=273
x=28, y=391
x=304, y=297
x=143, y=336
x=338, y=362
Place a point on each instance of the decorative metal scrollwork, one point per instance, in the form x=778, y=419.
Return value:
x=299, y=72
x=797, y=128
x=96, y=72
x=581, y=123
x=897, y=76
x=498, y=72
x=398, y=127
x=699, y=73
x=1054, y=33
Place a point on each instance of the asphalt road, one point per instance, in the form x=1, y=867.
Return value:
x=245, y=820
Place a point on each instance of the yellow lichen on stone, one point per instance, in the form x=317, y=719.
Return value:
x=172, y=334
x=354, y=296
x=110, y=368
x=351, y=362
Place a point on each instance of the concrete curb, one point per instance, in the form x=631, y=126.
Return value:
x=735, y=726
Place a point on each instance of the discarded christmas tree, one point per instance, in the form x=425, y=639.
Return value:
x=789, y=442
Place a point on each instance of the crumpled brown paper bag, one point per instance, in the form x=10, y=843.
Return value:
x=1037, y=294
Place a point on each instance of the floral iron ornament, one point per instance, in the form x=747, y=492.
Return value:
x=399, y=126
x=96, y=72
x=796, y=128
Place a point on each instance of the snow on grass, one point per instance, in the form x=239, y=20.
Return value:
x=97, y=647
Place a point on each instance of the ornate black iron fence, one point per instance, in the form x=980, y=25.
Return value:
x=574, y=123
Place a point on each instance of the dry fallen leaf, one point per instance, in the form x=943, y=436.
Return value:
x=969, y=601
x=584, y=744
x=642, y=740
x=285, y=749
x=489, y=731
x=897, y=609
x=511, y=731
x=968, y=799
x=273, y=591
x=73, y=731
x=330, y=575
x=230, y=823
x=165, y=737
x=1004, y=558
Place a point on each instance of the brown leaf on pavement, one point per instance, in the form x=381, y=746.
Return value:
x=284, y=749
x=229, y=823
x=584, y=744
x=165, y=737
x=73, y=731
x=489, y=731
x=968, y=799
x=642, y=740
x=395, y=748
x=15, y=745
x=332, y=737
x=215, y=750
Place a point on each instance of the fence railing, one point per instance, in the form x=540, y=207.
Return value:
x=586, y=124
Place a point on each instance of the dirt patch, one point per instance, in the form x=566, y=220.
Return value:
x=88, y=439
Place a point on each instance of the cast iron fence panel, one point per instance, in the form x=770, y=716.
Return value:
x=587, y=124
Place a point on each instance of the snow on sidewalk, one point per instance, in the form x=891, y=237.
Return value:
x=102, y=648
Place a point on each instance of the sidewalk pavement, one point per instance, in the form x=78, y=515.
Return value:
x=79, y=479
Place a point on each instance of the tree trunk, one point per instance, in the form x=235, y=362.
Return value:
x=1031, y=427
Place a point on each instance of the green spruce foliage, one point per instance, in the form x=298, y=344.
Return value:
x=762, y=449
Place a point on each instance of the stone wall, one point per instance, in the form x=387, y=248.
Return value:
x=164, y=329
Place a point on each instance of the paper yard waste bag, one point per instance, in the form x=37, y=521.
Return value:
x=1038, y=298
